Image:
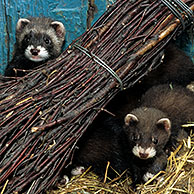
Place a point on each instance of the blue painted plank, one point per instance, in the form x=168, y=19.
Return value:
x=102, y=5
x=72, y=13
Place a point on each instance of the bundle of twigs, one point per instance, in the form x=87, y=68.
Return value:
x=45, y=113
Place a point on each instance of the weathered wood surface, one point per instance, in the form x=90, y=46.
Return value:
x=74, y=15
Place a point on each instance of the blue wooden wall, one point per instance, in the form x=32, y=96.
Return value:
x=73, y=13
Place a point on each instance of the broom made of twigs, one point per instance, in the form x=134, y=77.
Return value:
x=45, y=113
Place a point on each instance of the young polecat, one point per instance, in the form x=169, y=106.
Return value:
x=38, y=39
x=149, y=128
x=176, y=68
x=101, y=143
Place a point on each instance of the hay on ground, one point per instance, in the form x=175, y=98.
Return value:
x=177, y=178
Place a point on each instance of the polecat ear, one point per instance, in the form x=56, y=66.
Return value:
x=164, y=123
x=130, y=119
x=59, y=28
x=22, y=22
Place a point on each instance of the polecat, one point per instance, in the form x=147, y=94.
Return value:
x=101, y=143
x=38, y=39
x=176, y=68
x=151, y=126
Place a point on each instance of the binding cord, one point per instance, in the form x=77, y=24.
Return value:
x=100, y=62
x=178, y=8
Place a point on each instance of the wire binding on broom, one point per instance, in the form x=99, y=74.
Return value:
x=173, y=6
x=100, y=62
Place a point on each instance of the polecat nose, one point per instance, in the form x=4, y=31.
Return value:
x=35, y=51
x=143, y=155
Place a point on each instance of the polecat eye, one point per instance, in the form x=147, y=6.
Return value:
x=27, y=39
x=154, y=140
x=135, y=137
x=47, y=41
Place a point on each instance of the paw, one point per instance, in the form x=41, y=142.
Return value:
x=64, y=180
x=77, y=170
x=191, y=86
x=148, y=176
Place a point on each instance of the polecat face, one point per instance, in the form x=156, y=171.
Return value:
x=37, y=46
x=147, y=130
x=39, y=39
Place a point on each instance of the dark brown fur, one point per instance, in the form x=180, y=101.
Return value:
x=177, y=102
x=100, y=144
x=142, y=133
x=143, y=130
x=176, y=68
